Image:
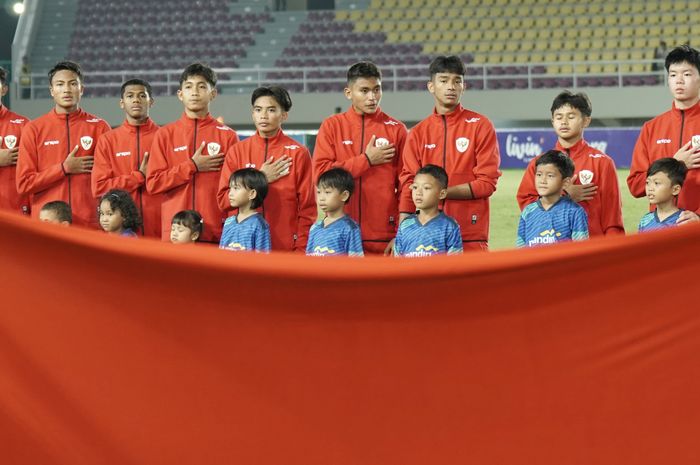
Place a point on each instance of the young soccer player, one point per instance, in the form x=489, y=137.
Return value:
x=429, y=231
x=186, y=227
x=464, y=144
x=368, y=143
x=186, y=156
x=57, y=212
x=56, y=150
x=553, y=217
x=118, y=213
x=336, y=233
x=594, y=184
x=664, y=181
x=289, y=206
x=121, y=156
x=675, y=133
x=11, y=125
x=248, y=230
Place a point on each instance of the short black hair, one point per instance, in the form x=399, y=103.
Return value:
x=447, y=64
x=137, y=82
x=190, y=219
x=339, y=179
x=121, y=200
x=438, y=172
x=579, y=101
x=199, y=69
x=278, y=93
x=3, y=76
x=564, y=164
x=250, y=178
x=363, y=69
x=683, y=54
x=66, y=66
x=61, y=209
x=674, y=169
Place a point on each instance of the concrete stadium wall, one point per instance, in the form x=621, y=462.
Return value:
x=507, y=109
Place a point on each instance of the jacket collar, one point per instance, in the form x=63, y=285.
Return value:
x=148, y=126
x=452, y=116
x=690, y=112
x=74, y=116
x=576, y=149
x=260, y=141
x=356, y=118
x=204, y=121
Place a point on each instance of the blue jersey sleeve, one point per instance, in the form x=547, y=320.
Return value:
x=312, y=239
x=398, y=246
x=262, y=238
x=354, y=243
x=454, y=240
x=521, y=240
x=225, y=235
x=579, y=225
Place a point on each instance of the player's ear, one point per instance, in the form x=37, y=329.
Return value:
x=345, y=196
x=676, y=189
x=586, y=121
x=443, y=194
x=566, y=183
x=348, y=93
x=284, y=117
x=214, y=93
x=179, y=94
x=194, y=236
x=252, y=194
x=431, y=86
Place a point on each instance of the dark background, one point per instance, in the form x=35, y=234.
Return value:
x=8, y=23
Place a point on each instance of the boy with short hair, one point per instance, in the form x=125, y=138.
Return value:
x=665, y=179
x=186, y=155
x=11, y=125
x=121, y=156
x=594, y=184
x=289, y=207
x=675, y=133
x=57, y=212
x=429, y=231
x=369, y=144
x=56, y=150
x=464, y=143
x=247, y=230
x=553, y=217
x=336, y=233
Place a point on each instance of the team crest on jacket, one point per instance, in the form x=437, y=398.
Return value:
x=213, y=148
x=462, y=144
x=696, y=141
x=10, y=141
x=585, y=176
x=381, y=142
x=86, y=142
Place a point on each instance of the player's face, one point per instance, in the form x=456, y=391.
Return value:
x=569, y=123
x=330, y=199
x=659, y=189
x=365, y=95
x=136, y=102
x=684, y=82
x=239, y=196
x=181, y=234
x=447, y=90
x=268, y=116
x=111, y=220
x=196, y=94
x=66, y=90
x=426, y=192
x=548, y=180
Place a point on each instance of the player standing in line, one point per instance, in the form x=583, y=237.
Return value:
x=463, y=143
x=121, y=156
x=675, y=133
x=186, y=156
x=56, y=150
x=594, y=184
x=11, y=125
x=368, y=143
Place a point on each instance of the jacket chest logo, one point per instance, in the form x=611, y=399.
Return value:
x=585, y=176
x=462, y=144
x=213, y=148
x=381, y=142
x=696, y=141
x=86, y=142
x=10, y=141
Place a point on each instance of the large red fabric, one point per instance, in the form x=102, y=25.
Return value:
x=123, y=351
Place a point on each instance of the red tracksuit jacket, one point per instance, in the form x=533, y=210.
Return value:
x=662, y=137
x=117, y=159
x=172, y=172
x=11, y=125
x=289, y=207
x=592, y=166
x=463, y=143
x=341, y=143
x=46, y=143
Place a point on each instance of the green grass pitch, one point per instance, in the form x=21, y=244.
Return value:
x=505, y=212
